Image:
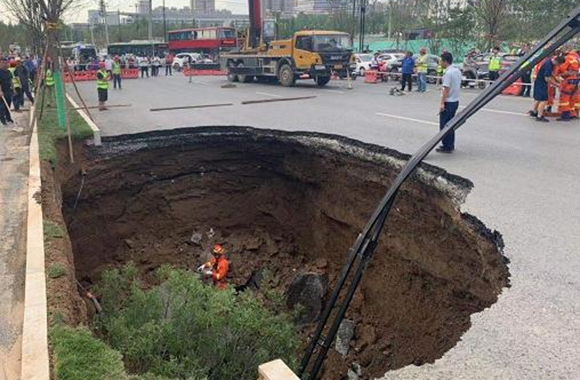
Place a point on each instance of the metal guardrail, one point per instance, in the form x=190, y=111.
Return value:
x=364, y=246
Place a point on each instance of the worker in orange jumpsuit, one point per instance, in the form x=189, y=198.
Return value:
x=217, y=268
x=568, y=87
x=576, y=97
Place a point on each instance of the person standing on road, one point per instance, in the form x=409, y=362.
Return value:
x=407, y=68
x=102, y=86
x=544, y=79
x=168, y=64
x=494, y=64
x=422, y=67
x=5, y=93
x=109, y=65
x=449, y=100
x=143, y=66
x=568, y=86
x=116, y=72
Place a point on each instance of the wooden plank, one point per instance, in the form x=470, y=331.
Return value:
x=276, y=370
x=246, y=102
x=190, y=107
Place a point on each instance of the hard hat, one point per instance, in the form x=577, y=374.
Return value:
x=218, y=249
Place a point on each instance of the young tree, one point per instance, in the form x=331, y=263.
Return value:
x=492, y=14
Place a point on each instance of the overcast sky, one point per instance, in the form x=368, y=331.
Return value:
x=236, y=6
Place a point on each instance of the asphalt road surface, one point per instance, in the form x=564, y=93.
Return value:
x=527, y=186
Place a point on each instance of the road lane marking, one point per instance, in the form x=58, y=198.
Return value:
x=427, y=122
x=268, y=94
x=500, y=111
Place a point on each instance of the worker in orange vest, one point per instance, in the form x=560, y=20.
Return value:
x=217, y=268
x=568, y=87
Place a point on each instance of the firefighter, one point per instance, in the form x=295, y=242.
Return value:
x=102, y=86
x=217, y=268
x=568, y=87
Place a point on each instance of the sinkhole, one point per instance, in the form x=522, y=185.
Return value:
x=292, y=203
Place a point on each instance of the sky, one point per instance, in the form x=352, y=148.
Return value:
x=236, y=6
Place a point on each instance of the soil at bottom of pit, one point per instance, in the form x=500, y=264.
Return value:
x=292, y=208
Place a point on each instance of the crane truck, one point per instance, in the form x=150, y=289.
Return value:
x=309, y=54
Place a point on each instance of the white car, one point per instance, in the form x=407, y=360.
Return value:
x=182, y=59
x=363, y=63
x=387, y=60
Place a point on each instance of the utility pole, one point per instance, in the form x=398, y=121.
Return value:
x=390, y=20
x=119, y=24
x=150, y=27
x=353, y=22
x=164, y=24
x=363, y=10
x=104, y=16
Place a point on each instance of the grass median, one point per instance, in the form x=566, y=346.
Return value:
x=50, y=133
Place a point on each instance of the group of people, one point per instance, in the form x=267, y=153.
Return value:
x=559, y=73
x=17, y=78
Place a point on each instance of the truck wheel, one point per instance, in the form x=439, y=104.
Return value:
x=431, y=73
x=322, y=81
x=286, y=76
x=245, y=78
x=231, y=76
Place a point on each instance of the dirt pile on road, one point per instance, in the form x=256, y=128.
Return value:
x=285, y=204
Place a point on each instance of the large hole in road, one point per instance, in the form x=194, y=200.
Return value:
x=293, y=203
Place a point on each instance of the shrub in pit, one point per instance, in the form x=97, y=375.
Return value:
x=184, y=328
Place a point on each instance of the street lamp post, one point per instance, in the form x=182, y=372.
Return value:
x=164, y=24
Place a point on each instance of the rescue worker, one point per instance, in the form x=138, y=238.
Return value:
x=422, y=66
x=217, y=268
x=568, y=87
x=494, y=64
x=544, y=79
x=116, y=70
x=49, y=84
x=17, y=98
x=102, y=86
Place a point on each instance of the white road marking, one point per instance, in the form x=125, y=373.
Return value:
x=501, y=111
x=268, y=94
x=427, y=122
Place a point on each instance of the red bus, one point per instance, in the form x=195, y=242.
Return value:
x=211, y=40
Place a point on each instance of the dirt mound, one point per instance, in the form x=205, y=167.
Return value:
x=292, y=203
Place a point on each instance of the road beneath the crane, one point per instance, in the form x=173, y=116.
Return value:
x=526, y=186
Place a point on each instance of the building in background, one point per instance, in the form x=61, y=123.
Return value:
x=282, y=8
x=142, y=7
x=94, y=17
x=320, y=7
x=202, y=6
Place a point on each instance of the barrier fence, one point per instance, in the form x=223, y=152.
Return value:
x=81, y=76
x=373, y=76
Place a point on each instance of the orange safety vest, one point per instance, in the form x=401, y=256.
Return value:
x=220, y=268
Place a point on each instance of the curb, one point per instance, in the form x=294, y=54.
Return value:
x=96, y=130
x=35, y=362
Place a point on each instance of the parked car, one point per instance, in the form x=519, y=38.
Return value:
x=182, y=59
x=478, y=67
x=363, y=63
x=386, y=60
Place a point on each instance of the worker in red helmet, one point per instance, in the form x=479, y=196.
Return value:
x=102, y=86
x=217, y=268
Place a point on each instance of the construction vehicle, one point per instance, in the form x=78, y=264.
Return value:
x=309, y=54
